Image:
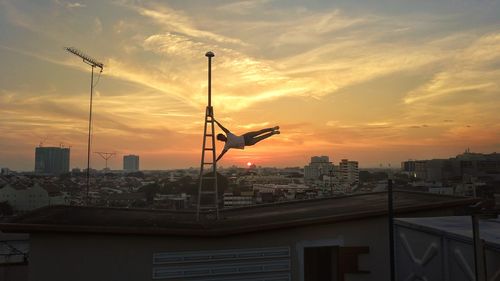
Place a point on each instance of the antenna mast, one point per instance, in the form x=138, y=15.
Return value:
x=93, y=63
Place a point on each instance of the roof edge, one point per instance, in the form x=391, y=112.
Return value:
x=216, y=230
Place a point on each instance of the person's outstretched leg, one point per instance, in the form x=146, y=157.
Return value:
x=260, y=132
x=254, y=140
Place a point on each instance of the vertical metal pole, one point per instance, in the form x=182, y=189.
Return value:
x=210, y=55
x=209, y=81
x=391, y=229
x=87, y=199
x=479, y=264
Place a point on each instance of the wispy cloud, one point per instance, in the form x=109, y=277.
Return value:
x=471, y=69
x=69, y=5
x=97, y=25
x=75, y=5
x=42, y=57
x=242, y=7
x=175, y=21
x=312, y=28
x=254, y=125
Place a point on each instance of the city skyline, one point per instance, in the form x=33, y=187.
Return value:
x=115, y=164
x=374, y=83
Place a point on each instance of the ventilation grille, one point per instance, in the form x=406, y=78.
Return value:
x=263, y=264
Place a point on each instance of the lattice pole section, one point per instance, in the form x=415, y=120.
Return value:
x=208, y=199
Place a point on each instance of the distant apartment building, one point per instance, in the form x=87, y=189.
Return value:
x=408, y=167
x=348, y=171
x=51, y=160
x=420, y=169
x=320, y=165
x=464, y=165
x=131, y=163
x=415, y=168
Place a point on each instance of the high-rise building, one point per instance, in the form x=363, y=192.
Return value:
x=349, y=172
x=320, y=165
x=51, y=160
x=131, y=163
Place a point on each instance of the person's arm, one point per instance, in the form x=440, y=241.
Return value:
x=221, y=154
x=222, y=127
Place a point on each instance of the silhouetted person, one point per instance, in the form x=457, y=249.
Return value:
x=247, y=139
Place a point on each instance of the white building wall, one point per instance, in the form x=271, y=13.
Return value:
x=25, y=199
x=349, y=172
x=291, y=188
x=231, y=200
x=320, y=165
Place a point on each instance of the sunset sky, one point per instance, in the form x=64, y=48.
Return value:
x=374, y=81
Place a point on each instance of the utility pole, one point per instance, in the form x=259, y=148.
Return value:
x=106, y=156
x=391, y=229
x=93, y=63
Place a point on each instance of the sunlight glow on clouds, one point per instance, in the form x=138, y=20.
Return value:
x=350, y=80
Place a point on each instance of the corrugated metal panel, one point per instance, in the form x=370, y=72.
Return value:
x=262, y=264
x=432, y=254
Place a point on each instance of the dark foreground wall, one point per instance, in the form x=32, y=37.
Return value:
x=61, y=257
x=14, y=272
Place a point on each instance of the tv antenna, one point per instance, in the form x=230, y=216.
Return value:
x=93, y=63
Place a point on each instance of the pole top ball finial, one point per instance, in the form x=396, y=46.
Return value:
x=210, y=54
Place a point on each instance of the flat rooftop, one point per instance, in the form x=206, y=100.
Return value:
x=234, y=221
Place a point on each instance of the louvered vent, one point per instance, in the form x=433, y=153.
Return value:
x=262, y=264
